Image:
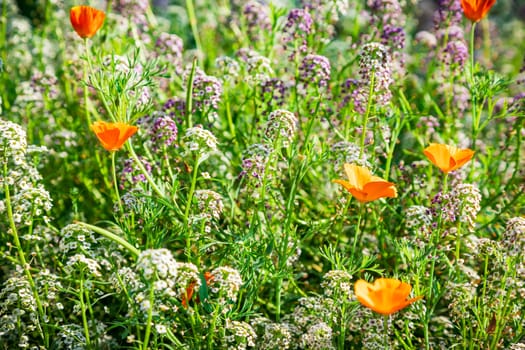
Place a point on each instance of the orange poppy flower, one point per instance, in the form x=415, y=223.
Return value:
x=189, y=290
x=113, y=135
x=86, y=20
x=364, y=186
x=475, y=10
x=447, y=158
x=385, y=296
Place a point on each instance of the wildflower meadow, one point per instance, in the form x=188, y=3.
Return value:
x=262, y=174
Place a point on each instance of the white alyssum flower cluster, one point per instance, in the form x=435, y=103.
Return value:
x=200, y=141
x=28, y=198
x=225, y=284
x=281, y=125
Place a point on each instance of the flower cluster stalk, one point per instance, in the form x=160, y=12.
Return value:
x=193, y=23
x=367, y=114
x=111, y=236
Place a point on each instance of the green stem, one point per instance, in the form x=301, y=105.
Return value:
x=83, y=310
x=341, y=222
x=3, y=33
x=213, y=327
x=475, y=118
x=428, y=312
x=472, y=60
x=458, y=244
x=88, y=67
x=229, y=116
x=22, y=259
x=150, y=317
x=154, y=187
x=358, y=228
x=3, y=55
x=367, y=114
x=312, y=119
x=112, y=236
x=386, y=331
x=342, y=328
x=278, y=287
x=445, y=183
x=86, y=91
x=189, y=93
x=193, y=23
x=291, y=199
x=188, y=206
x=174, y=339
x=114, y=172
x=109, y=7
x=485, y=278
x=255, y=120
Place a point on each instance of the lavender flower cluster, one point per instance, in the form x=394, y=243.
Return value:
x=131, y=175
x=388, y=15
x=161, y=130
x=169, y=48
x=462, y=203
x=295, y=33
x=257, y=17
x=315, y=70
x=207, y=91
x=254, y=163
x=375, y=67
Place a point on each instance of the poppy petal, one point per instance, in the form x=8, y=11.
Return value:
x=86, y=20
x=385, y=295
x=359, y=195
x=461, y=157
x=439, y=155
x=344, y=183
x=113, y=135
x=357, y=175
x=362, y=291
x=380, y=189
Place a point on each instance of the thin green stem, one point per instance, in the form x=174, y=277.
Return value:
x=278, y=287
x=458, y=244
x=386, y=327
x=146, y=174
x=229, y=116
x=3, y=55
x=86, y=90
x=193, y=23
x=150, y=317
x=110, y=235
x=341, y=222
x=358, y=228
x=83, y=310
x=255, y=120
x=189, y=93
x=342, y=328
x=445, y=183
x=485, y=278
x=426, y=330
x=475, y=118
x=313, y=118
x=3, y=32
x=367, y=115
x=472, y=53
x=115, y=183
x=213, y=327
x=109, y=7
x=174, y=339
x=187, y=210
